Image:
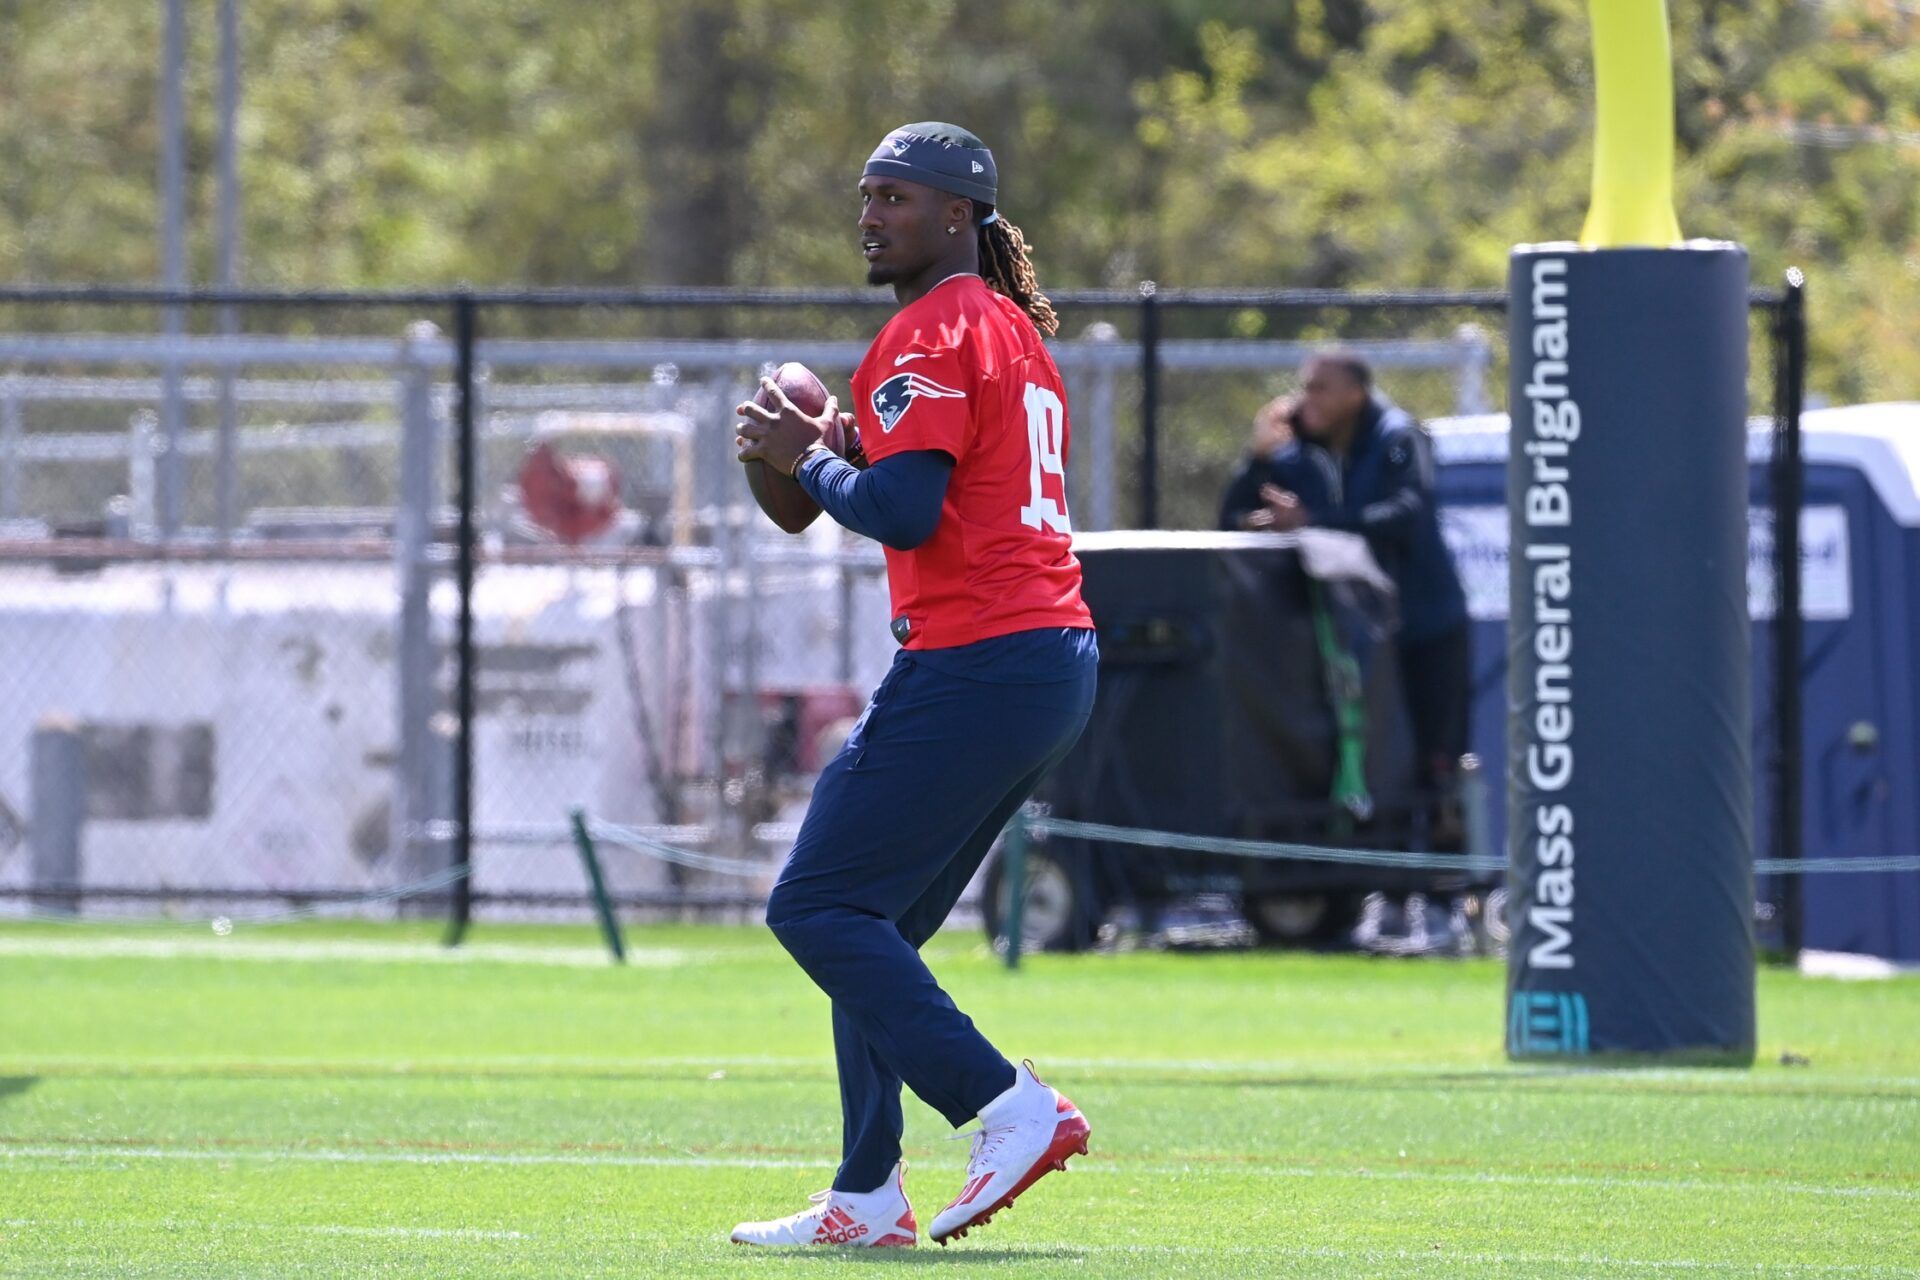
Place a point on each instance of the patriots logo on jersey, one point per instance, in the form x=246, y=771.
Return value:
x=892, y=398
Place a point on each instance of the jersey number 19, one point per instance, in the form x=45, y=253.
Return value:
x=1046, y=457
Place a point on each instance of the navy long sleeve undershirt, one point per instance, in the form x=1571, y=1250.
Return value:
x=896, y=501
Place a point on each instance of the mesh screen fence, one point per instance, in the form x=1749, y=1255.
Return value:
x=228, y=535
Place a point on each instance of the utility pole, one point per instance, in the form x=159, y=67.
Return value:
x=226, y=484
x=173, y=252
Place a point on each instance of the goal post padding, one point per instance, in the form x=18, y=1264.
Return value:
x=1630, y=790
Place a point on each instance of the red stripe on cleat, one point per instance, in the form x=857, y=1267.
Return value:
x=1069, y=1140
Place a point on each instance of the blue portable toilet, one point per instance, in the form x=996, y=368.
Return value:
x=1860, y=568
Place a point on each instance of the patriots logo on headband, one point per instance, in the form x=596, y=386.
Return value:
x=892, y=398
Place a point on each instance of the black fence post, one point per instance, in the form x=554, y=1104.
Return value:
x=1149, y=405
x=460, y=902
x=1789, y=371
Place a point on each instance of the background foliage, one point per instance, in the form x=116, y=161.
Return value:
x=1290, y=142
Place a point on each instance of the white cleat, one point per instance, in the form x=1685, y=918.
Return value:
x=849, y=1219
x=1026, y=1133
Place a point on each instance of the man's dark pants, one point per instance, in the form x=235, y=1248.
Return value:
x=900, y=821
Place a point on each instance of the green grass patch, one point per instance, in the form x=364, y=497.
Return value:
x=342, y=1100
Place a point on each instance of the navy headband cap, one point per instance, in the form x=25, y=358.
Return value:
x=942, y=156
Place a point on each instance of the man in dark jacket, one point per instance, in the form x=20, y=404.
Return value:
x=1361, y=464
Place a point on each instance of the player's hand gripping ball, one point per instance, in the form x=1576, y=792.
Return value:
x=788, y=414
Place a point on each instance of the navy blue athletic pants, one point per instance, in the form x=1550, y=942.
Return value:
x=899, y=822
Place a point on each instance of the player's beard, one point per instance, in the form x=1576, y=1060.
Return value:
x=890, y=268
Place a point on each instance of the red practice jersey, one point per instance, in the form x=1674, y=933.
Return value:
x=963, y=370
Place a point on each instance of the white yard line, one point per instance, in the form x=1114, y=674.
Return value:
x=1451, y=1258
x=307, y=1228
x=1446, y=1257
x=287, y=950
x=314, y=1155
x=1316, y=1070
x=402, y=1233
x=69, y=1152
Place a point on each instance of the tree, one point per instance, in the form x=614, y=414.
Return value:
x=1306, y=142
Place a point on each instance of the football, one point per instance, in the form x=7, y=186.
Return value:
x=780, y=496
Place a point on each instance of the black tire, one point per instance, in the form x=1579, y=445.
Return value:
x=1059, y=914
x=1301, y=919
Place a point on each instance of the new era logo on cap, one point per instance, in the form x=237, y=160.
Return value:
x=978, y=167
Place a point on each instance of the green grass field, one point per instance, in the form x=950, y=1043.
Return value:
x=339, y=1100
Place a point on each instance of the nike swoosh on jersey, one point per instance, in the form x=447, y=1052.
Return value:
x=911, y=355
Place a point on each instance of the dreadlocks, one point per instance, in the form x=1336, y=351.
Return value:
x=1007, y=269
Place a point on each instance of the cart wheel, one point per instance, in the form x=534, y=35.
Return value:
x=1057, y=909
x=1300, y=919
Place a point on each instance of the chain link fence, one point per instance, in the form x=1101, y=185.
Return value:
x=312, y=596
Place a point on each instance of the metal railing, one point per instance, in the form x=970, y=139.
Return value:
x=436, y=403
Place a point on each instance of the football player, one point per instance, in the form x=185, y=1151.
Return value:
x=963, y=420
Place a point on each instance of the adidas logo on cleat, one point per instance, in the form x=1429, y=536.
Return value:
x=881, y=1218
x=839, y=1227
x=840, y=1235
